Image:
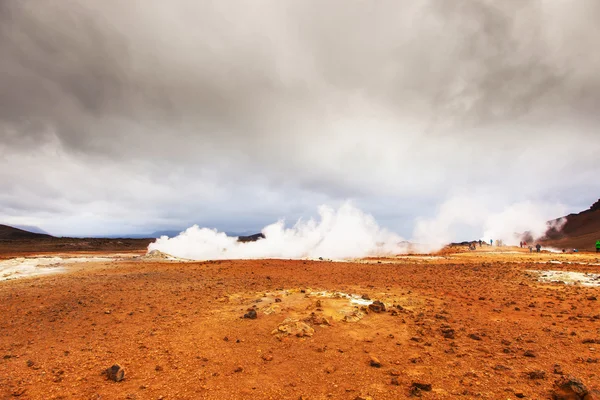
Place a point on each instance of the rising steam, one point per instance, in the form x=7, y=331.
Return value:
x=346, y=232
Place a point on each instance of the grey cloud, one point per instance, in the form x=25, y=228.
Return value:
x=379, y=101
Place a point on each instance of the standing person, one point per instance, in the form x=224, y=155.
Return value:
x=538, y=247
x=530, y=249
x=521, y=244
x=491, y=242
x=598, y=246
x=479, y=242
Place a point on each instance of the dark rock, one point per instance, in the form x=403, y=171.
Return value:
x=529, y=354
x=558, y=369
x=115, y=373
x=426, y=387
x=448, y=333
x=570, y=388
x=377, y=306
x=475, y=336
x=251, y=314
x=374, y=362
x=537, y=374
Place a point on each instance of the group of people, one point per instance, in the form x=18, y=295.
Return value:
x=523, y=244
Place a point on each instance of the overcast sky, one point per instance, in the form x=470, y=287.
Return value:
x=134, y=116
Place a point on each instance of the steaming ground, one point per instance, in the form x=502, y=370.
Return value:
x=347, y=232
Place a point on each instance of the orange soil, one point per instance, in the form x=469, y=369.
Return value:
x=176, y=329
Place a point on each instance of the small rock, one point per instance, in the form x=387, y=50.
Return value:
x=278, y=300
x=238, y=369
x=529, y=354
x=115, y=373
x=538, y=374
x=558, y=369
x=416, y=388
x=374, y=362
x=251, y=314
x=570, y=388
x=395, y=381
x=448, y=333
x=377, y=306
x=267, y=357
x=475, y=336
x=592, y=298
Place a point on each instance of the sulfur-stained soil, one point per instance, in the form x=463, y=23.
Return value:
x=466, y=325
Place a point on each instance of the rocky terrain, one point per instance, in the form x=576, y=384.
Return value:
x=477, y=324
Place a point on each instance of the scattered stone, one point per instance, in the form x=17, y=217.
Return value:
x=377, y=306
x=238, y=369
x=537, y=374
x=592, y=298
x=330, y=369
x=360, y=397
x=520, y=395
x=448, y=333
x=529, y=354
x=30, y=363
x=293, y=327
x=395, y=381
x=570, y=388
x=115, y=373
x=267, y=357
x=558, y=369
x=251, y=314
x=374, y=362
x=278, y=300
x=475, y=336
x=591, y=341
x=500, y=367
x=417, y=387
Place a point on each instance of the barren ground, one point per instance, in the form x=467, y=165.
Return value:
x=473, y=324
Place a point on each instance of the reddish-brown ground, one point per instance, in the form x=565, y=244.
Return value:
x=176, y=329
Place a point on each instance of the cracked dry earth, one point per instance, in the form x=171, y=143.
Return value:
x=469, y=325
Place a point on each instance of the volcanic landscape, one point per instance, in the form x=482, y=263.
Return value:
x=490, y=323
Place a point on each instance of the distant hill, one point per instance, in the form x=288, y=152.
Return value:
x=12, y=233
x=579, y=232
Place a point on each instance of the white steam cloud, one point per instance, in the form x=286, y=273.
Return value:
x=347, y=232
x=508, y=225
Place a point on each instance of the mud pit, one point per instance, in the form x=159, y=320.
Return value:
x=471, y=325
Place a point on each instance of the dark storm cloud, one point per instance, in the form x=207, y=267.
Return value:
x=186, y=105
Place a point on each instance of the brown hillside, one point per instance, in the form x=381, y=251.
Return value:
x=579, y=232
x=10, y=233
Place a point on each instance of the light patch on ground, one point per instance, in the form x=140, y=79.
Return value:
x=23, y=267
x=568, y=277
